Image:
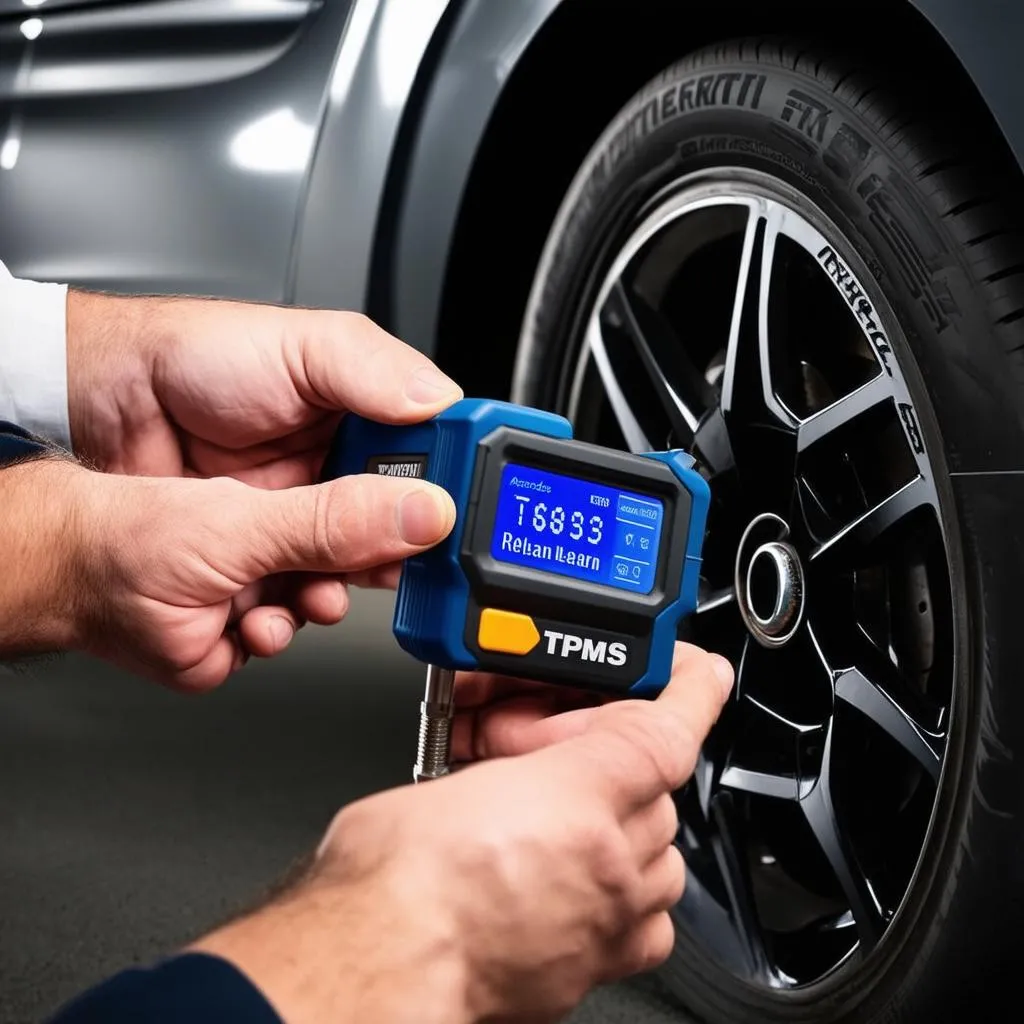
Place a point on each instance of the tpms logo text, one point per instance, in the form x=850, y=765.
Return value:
x=567, y=645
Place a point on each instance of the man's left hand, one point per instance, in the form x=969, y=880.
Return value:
x=207, y=388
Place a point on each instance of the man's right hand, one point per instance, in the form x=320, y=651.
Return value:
x=504, y=892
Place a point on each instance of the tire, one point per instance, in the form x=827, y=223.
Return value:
x=921, y=210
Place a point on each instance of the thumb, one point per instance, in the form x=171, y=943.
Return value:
x=345, y=525
x=690, y=705
x=638, y=750
x=394, y=382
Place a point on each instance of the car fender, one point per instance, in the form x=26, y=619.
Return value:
x=986, y=37
x=370, y=97
x=379, y=57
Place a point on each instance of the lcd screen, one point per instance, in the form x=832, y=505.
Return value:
x=576, y=528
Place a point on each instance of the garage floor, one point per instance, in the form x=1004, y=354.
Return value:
x=132, y=819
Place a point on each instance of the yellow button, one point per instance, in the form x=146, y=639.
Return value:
x=507, y=632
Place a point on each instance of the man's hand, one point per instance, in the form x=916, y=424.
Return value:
x=183, y=580
x=503, y=892
x=194, y=387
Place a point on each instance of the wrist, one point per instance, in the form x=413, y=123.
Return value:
x=111, y=345
x=43, y=588
x=348, y=952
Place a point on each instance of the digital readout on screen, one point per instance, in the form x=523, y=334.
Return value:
x=572, y=527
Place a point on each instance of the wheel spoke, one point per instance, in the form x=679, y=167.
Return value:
x=765, y=757
x=743, y=780
x=812, y=507
x=847, y=544
x=874, y=687
x=673, y=380
x=868, y=396
x=703, y=782
x=809, y=783
x=735, y=872
x=714, y=600
x=873, y=701
x=819, y=812
x=747, y=391
x=633, y=432
x=791, y=684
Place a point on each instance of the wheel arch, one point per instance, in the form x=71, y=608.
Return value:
x=507, y=121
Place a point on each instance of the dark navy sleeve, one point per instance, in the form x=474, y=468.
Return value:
x=194, y=987
x=13, y=429
x=18, y=445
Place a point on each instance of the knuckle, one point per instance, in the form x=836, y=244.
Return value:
x=674, y=746
x=668, y=818
x=377, y=346
x=495, y=858
x=660, y=743
x=341, y=843
x=345, y=818
x=358, y=324
x=491, y=847
x=660, y=942
x=339, y=513
x=611, y=863
x=676, y=884
x=324, y=537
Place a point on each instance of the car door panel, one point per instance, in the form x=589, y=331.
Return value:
x=161, y=146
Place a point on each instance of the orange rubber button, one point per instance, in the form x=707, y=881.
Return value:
x=506, y=632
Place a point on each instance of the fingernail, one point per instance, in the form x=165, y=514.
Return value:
x=281, y=631
x=428, y=385
x=723, y=672
x=423, y=515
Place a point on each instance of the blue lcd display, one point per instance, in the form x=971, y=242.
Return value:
x=576, y=528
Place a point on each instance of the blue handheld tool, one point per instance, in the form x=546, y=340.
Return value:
x=569, y=563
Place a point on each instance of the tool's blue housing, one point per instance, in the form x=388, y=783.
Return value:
x=663, y=633
x=433, y=595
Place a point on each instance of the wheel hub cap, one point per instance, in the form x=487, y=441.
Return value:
x=769, y=582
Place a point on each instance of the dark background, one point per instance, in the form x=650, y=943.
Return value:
x=133, y=819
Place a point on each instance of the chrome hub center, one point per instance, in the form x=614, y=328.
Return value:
x=769, y=580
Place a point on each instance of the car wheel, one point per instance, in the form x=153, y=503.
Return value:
x=810, y=275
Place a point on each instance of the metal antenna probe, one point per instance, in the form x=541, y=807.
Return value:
x=434, y=750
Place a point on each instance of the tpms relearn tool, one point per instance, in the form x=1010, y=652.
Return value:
x=569, y=563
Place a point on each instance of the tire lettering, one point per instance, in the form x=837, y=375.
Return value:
x=861, y=305
x=727, y=80
x=705, y=87
x=723, y=89
x=758, y=82
x=718, y=90
x=736, y=144
x=668, y=104
x=933, y=297
x=806, y=114
x=909, y=417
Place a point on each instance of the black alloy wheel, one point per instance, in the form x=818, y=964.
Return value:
x=825, y=577
x=722, y=279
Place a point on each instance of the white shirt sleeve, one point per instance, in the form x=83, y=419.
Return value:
x=33, y=357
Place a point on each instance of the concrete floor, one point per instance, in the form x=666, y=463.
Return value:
x=133, y=819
